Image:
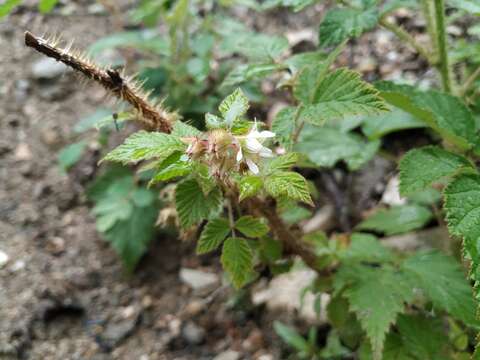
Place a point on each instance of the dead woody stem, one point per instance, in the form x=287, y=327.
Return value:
x=154, y=118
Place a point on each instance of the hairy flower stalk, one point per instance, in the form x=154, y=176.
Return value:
x=152, y=116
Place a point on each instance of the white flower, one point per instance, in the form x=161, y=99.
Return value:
x=253, y=147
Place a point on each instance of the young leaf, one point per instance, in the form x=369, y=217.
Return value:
x=342, y=93
x=251, y=227
x=326, y=146
x=192, y=205
x=284, y=126
x=288, y=184
x=397, y=219
x=170, y=168
x=234, y=107
x=212, y=235
x=181, y=129
x=249, y=186
x=237, y=260
x=376, y=313
x=342, y=23
x=283, y=162
x=144, y=146
x=443, y=281
x=419, y=168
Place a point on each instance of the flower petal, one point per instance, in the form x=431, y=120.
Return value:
x=253, y=145
x=265, y=152
x=239, y=154
x=266, y=134
x=252, y=166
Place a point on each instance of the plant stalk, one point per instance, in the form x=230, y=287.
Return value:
x=443, y=65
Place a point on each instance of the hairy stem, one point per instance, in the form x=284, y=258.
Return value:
x=153, y=116
x=443, y=65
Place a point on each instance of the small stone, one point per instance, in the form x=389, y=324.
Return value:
x=193, y=334
x=147, y=301
x=198, y=280
x=254, y=341
x=50, y=137
x=194, y=307
x=391, y=195
x=97, y=9
x=117, y=332
x=265, y=357
x=47, y=69
x=129, y=311
x=22, y=152
x=18, y=265
x=228, y=355
x=56, y=245
x=3, y=258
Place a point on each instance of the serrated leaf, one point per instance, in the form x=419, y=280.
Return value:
x=343, y=23
x=145, y=146
x=213, y=235
x=421, y=336
x=234, y=107
x=470, y=6
x=249, y=186
x=376, y=126
x=251, y=226
x=297, y=5
x=342, y=93
x=181, y=129
x=247, y=72
x=284, y=127
x=214, y=121
x=376, y=313
x=193, y=205
x=365, y=247
x=283, y=162
x=288, y=184
x=397, y=219
x=298, y=61
x=444, y=113
x=419, y=168
x=255, y=46
x=170, y=168
x=237, y=260
x=326, y=146
x=443, y=281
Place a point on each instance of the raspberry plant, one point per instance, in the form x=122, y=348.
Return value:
x=241, y=186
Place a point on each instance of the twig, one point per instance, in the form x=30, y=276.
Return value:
x=443, y=65
x=154, y=117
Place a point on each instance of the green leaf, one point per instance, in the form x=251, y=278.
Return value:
x=288, y=184
x=291, y=337
x=249, y=186
x=470, y=6
x=376, y=126
x=257, y=47
x=297, y=5
x=444, y=113
x=248, y=72
x=342, y=93
x=443, y=281
x=144, y=145
x=90, y=121
x=397, y=219
x=46, y=6
x=251, y=227
x=375, y=313
x=365, y=247
x=283, y=162
x=234, y=107
x=343, y=23
x=298, y=61
x=423, y=337
x=421, y=167
x=181, y=129
x=326, y=146
x=71, y=154
x=284, y=126
x=193, y=205
x=237, y=260
x=8, y=6
x=213, y=235
x=170, y=168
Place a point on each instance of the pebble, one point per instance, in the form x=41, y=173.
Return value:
x=198, y=280
x=254, y=341
x=193, y=334
x=3, y=258
x=228, y=355
x=22, y=152
x=47, y=69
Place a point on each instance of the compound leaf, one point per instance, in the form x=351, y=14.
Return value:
x=212, y=235
x=237, y=260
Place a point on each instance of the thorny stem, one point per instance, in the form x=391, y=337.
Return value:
x=153, y=117
x=443, y=65
x=159, y=120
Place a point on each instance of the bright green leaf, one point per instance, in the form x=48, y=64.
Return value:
x=8, y=7
x=46, y=6
x=213, y=235
x=288, y=184
x=237, y=260
x=71, y=154
x=182, y=129
x=251, y=226
x=249, y=186
x=376, y=126
x=365, y=247
x=284, y=126
x=421, y=167
x=234, y=107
